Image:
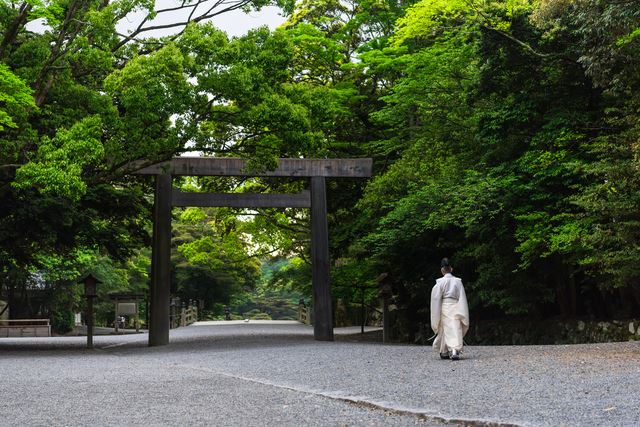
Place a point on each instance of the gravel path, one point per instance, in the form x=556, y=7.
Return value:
x=261, y=373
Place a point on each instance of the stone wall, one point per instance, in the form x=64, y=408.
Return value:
x=523, y=331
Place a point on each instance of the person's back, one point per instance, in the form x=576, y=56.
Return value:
x=449, y=313
x=450, y=286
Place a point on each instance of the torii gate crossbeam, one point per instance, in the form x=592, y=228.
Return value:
x=166, y=197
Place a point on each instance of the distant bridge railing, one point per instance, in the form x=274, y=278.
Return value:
x=25, y=328
x=304, y=314
x=188, y=315
x=182, y=314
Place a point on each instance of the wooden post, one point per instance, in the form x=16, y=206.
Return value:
x=386, y=321
x=363, y=310
x=323, y=318
x=115, y=320
x=172, y=313
x=161, y=263
x=385, y=292
x=137, y=317
x=90, y=322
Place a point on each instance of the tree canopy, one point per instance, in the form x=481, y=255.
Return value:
x=504, y=135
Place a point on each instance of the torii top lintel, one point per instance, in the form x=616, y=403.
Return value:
x=230, y=166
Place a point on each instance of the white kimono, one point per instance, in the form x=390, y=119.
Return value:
x=449, y=314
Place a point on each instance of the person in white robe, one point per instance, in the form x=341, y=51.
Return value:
x=449, y=313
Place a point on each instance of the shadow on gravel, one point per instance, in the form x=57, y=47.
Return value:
x=46, y=347
x=191, y=339
x=213, y=344
x=367, y=337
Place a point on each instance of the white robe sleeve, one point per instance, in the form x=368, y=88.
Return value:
x=436, y=307
x=463, y=310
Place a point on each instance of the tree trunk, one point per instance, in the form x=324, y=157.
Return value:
x=14, y=28
x=573, y=293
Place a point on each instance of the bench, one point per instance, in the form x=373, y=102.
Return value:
x=25, y=328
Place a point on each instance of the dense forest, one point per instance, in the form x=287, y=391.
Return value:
x=505, y=135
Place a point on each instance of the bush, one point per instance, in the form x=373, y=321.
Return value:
x=256, y=314
x=62, y=321
x=261, y=316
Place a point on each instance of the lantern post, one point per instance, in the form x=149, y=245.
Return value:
x=90, y=292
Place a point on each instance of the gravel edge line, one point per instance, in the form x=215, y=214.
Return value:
x=362, y=402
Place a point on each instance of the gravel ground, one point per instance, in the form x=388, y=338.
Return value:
x=260, y=373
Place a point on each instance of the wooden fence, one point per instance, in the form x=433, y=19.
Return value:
x=188, y=315
x=183, y=315
x=304, y=315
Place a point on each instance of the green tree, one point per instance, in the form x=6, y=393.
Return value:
x=492, y=122
x=82, y=104
x=211, y=258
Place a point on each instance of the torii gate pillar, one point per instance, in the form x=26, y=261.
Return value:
x=160, y=263
x=322, y=305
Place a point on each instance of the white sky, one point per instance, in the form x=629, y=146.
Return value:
x=234, y=23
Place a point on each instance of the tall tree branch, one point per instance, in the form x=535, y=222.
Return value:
x=68, y=31
x=13, y=29
x=213, y=10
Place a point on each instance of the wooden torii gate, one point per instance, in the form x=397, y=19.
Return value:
x=166, y=197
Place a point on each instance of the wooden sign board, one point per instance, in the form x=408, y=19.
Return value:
x=126, y=308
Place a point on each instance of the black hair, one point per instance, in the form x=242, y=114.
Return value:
x=445, y=263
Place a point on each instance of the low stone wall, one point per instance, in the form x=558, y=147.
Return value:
x=524, y=331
